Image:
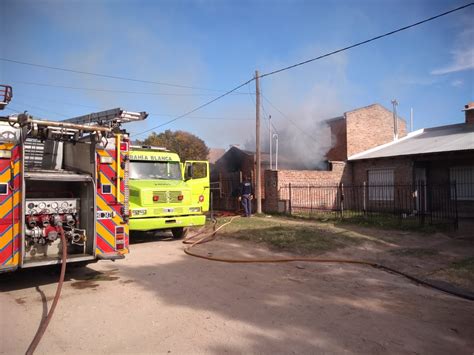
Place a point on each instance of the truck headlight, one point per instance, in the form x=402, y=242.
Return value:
x=139, y=212
x=194, y=209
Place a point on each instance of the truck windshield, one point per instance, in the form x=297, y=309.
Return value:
x=151, y=170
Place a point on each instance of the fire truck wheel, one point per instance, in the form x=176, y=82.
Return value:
x=179, y=233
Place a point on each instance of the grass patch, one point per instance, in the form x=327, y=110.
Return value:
x=376, y=220
x=460, y=272
x=287, y=236
x=414, y=252
x=464, y=265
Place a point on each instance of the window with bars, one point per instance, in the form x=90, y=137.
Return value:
x=462, y=179
x=380, y=184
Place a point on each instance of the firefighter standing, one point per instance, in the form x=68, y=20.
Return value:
x=246, y=192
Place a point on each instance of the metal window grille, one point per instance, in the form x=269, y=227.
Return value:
x=380, y=183
x=463, y=177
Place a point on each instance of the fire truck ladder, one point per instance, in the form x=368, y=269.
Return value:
x=6, y=94
x=110, y=118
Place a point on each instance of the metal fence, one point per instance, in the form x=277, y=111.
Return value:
x=417, y=204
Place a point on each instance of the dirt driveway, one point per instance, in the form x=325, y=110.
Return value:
x=158, y=300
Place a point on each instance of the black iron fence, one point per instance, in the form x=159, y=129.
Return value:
x=409, y=204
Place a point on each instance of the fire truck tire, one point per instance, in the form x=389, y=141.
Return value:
x=179, y=233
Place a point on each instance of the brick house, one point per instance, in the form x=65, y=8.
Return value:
x=369, y=147
x=353, y=132
x=229, y=171
x=439, y=156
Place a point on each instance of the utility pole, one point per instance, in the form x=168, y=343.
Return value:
x=258, y=181
x=395, y=119
x=271, y=138
x=275, y=135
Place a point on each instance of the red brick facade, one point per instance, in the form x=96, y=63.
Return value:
x=338, y=151
x=352, y=133
x=275, y=180
x=369, y=127
x=402, y=169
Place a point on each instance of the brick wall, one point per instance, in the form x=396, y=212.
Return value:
x=402, y=167
x=338, y=152
x=369, y=127
x=275, y=180
x=469, y=110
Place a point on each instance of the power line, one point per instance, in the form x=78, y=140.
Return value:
x=197, y=108
x=207, y=118
x=41, y=108
x=9, y=108
x=106, y=75
x=248, y=81
x=111, y=90
x=105, y=108
x=366, y=41
x=288, y=119
x=308, y=61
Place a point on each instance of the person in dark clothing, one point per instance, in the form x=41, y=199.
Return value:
x=246, y=192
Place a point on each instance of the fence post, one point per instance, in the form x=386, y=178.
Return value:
x=421, y=193
x=364, y=203
x=456, y=220
x=289, y=202
x=212, y=205
x=342, y=199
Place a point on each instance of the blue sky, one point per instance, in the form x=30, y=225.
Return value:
x=219, y=44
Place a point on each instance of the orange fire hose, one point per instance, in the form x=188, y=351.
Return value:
x=209, y=236
x=44, y=323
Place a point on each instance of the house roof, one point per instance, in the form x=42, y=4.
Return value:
x=450, y=138
x=215, y=154
x=265, y=157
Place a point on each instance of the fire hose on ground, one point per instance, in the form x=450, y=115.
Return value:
x=193, y=240
x=44, y=323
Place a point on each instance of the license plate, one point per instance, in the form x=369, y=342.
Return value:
x=168, y=210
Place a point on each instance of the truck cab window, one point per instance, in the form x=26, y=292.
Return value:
x=151, y=170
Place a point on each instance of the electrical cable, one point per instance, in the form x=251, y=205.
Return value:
x=9, y=108
x=45, y=322
x=106, y=75
x=210, y=236
x=366, y=41
x=41, y=109
x=290, y=120
x=197, y=108
x=238, y=87
x=112, y=90
x=150, y=113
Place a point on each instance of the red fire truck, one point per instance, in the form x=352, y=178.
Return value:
x=66, y=178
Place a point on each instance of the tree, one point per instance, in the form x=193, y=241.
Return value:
x=187, y=145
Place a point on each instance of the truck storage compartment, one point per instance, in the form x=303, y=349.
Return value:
x=58, y=200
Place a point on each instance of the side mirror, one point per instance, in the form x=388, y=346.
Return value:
x=189, y=172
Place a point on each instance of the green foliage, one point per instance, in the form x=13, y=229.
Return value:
x=187, y=145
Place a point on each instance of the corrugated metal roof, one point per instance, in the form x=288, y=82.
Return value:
x=450, y=138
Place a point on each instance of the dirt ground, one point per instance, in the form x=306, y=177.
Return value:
x=159, y=300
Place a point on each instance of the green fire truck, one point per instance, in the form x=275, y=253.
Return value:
x=165, y=193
